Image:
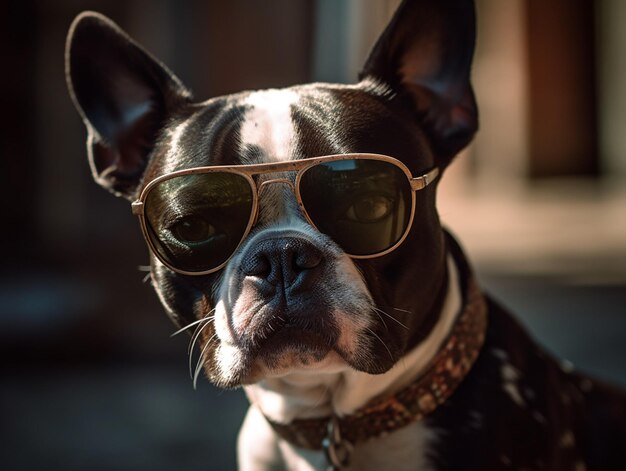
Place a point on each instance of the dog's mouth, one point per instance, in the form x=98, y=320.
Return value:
x=293, y=346
x=282, y=340
x=278, y=342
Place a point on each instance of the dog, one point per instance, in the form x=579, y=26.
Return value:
x=296, y=231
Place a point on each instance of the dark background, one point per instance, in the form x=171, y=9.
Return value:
x=90, y=379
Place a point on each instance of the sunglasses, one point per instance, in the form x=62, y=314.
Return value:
x=195, y=219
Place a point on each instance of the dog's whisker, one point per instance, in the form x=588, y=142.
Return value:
x=200, y=359
x=145, y=269
x=199, y=363
x=193, y=344
x=209, y=317
x=196, y=333
x=377, y=310
x=401, y=310
x=381, y=318
x=189, y=326
x=204, y=322
x=381, y=341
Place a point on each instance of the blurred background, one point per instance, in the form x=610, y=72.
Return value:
x=91, y=379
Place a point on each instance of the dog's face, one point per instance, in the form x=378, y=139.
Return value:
x=290, y=298
x=270, y=314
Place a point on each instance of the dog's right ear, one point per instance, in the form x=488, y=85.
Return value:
x=124, y=96
x=425, y=55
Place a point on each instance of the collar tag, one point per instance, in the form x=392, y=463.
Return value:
x=336, y=449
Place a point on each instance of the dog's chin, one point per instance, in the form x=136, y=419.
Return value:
x=289, y=350
x=295, y=350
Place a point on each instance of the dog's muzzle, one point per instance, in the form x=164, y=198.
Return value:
x=289, y=298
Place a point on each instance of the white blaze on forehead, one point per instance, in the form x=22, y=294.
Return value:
x=268, y=124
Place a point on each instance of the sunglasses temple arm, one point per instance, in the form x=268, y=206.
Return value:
x=137, y=208
x=419, y=183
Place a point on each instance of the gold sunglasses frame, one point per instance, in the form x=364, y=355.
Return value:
x=299, y=166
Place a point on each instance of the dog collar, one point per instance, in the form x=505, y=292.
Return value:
x=337, y=435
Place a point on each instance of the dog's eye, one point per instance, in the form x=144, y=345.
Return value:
x=193, y=229
x=370, y=208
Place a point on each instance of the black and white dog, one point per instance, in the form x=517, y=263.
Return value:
x=296, y=230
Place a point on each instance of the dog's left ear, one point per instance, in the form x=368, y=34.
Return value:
x=125, y=97
x=425, y=53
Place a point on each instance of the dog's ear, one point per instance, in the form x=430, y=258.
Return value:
x=425, y=54
x=124, y=96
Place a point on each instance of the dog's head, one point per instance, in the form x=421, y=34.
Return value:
x=289, y=298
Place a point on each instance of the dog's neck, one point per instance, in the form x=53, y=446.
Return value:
x=340, y=392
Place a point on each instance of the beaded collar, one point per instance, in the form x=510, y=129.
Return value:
x=337, y=435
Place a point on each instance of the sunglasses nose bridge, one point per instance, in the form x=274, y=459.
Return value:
x=285, y=181
x=263, y=185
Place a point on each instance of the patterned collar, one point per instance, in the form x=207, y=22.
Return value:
x=337, y=435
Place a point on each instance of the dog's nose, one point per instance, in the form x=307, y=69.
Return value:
x=288, y=261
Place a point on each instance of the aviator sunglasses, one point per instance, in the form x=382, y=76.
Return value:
x=195, y=219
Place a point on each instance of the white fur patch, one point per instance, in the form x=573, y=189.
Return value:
x=500, y=354
x=510, y=376
x=228, y=361
x=403, y=450
x=222, y=329
x=268, y=124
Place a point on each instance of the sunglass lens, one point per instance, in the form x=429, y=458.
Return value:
x=196, y=222
x=364, y=205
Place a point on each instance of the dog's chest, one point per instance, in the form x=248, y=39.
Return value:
x=408, y=448
x=404, y=450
